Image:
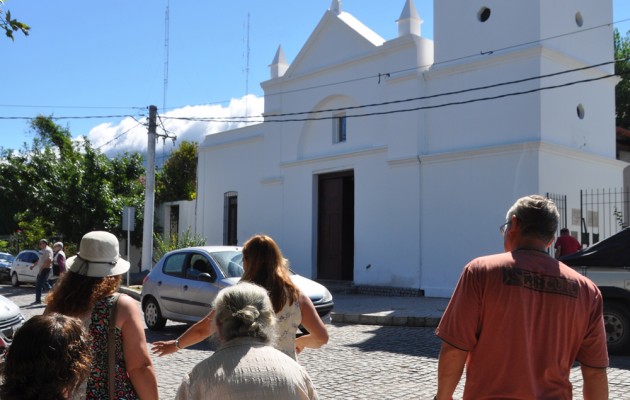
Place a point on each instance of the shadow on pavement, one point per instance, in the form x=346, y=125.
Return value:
x=411, y=341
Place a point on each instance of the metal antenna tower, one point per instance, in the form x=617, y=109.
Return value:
x=166, y=46
x=247, y=62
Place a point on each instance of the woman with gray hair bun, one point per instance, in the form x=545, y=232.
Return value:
x=246, y=365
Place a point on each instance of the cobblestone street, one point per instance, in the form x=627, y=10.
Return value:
x=360, y=361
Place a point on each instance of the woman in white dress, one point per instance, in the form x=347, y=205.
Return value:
x=264, y=265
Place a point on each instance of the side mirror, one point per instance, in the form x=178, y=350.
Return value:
x=206, y=277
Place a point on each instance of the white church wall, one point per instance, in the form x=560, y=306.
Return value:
x=431, y=186
x=465, y=198
x=387, y=216
x=482, y=123
x=578, y=116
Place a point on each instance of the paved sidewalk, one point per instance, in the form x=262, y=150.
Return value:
x=375, y=310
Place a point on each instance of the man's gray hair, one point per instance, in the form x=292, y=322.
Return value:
x=538, y=216
x=245, y=310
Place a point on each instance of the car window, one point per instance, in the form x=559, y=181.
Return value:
x=199, y=264
x=174, y=264
x=33, y=257
x=230, y=262
x=29, y=257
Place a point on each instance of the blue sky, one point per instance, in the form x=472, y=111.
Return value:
x=86, y=58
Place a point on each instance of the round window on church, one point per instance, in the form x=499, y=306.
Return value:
x=580, y=111
x=578, y=19
x=484, y=14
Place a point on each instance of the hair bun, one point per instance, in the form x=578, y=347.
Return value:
x=247, y=314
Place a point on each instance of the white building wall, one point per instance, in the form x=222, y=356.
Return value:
x=432, y=185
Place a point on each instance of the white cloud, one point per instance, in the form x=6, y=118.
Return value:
x=131, y=135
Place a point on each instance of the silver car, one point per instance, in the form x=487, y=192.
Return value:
x=183, y=284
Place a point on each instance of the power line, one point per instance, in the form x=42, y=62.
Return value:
x=81, y=117
x=273, y=118
x=378, y=76
x=120, y=135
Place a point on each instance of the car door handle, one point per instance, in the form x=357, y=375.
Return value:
x=159, y=283
x=185, y=287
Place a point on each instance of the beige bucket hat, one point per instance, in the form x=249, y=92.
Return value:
x=98, y=256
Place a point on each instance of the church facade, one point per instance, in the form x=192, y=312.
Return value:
x=391, y=163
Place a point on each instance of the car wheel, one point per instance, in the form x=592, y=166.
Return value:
x=14, y=280
x=152, y=315
x=617, y=323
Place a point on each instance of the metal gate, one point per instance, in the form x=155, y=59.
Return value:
x=603, y=213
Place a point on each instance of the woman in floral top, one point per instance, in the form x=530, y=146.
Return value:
x=87, y=292
x=264, y=265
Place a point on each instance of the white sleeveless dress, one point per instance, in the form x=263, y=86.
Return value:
x=288, y=321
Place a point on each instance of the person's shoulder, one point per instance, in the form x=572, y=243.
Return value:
x=491, y=260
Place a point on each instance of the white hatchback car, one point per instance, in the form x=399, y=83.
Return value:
x=20, y=268
x=183, y=284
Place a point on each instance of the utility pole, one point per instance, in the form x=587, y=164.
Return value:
x=149, y=195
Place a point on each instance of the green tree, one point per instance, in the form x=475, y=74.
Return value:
x=622, y=90
x=178, y=178
x=10, y=24
x=57, y=188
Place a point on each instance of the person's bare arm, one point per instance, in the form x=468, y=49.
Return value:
x=195, y=334
x=450, y=368
x=137, y=359
x=595, y=383
x=317, y=333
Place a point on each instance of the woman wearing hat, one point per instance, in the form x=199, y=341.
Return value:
x=87, y=292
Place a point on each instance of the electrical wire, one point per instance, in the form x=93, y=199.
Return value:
x=378, y=76
x=120, y=135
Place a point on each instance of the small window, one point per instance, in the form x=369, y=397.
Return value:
x=578, y=19
x=484, y=14
x=230, y=214
x=580, y=111
x=339, y=128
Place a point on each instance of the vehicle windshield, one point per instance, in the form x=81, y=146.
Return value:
x=6, y=257
x=230, y=262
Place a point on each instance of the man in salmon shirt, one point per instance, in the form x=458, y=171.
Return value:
x=520, y=319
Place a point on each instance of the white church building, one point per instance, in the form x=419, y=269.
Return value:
x=390, y=163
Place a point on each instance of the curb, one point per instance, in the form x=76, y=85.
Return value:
x=384, y=320
x=350, y=318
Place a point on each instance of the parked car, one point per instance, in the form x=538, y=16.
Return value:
x=607, y=264
x=183, y=284
x=10, y=321
x=20, y=268
x=6, y=260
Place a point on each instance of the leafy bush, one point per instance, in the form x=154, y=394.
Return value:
x=185, y=239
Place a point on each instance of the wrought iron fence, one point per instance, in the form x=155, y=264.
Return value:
x=603, y=212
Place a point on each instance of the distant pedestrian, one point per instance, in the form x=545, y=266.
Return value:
x=44, y=265
x=566, y=244
x=520, y=319
x=59, y=261
x=246, y=366
x=48, y=359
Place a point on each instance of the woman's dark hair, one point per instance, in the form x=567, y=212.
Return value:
x=75, y=294
x=48, y=359
x=264, y=265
